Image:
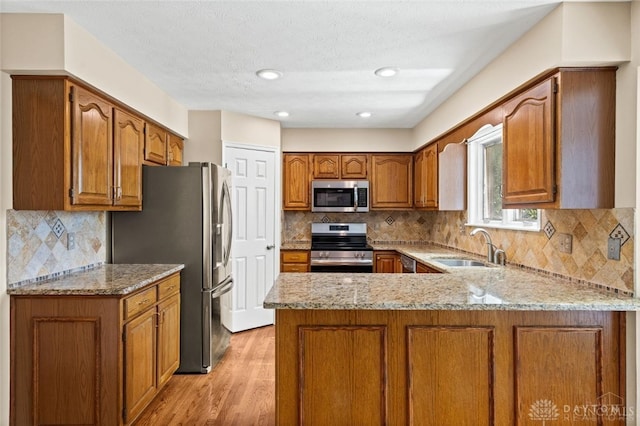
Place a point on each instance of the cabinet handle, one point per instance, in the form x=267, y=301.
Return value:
x=143, y=302
x=157, y=315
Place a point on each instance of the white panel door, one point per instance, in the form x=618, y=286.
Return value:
x=253, y=248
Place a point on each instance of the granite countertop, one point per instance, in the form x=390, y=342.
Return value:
x=470, y=288
x=104, y=280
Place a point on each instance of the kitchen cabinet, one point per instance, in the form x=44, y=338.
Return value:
x=74, y=148
x=110, y=354
x=452, y=177
x=175, y=150
x=387, y=262
x=128, y=142
x=559, y=141
x=479, y=367
x=421, y=268
x=294, y=261
x=340, y=166
x=426, y=178
x=155, y=145
x=391, y=181
x=296, y=182
x=326, y=166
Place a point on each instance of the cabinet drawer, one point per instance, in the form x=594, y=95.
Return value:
x=139, y=302
x=168, y=287
x=294, y=267
x=295, y=256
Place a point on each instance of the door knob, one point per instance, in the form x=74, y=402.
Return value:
x=270, y=246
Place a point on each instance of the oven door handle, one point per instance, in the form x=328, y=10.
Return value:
x=331, y=262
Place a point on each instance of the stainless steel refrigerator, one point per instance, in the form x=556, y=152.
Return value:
x=185, y=218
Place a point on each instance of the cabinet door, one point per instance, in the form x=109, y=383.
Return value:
x=529, y=147
x=168, y=338
x=155, y=145
x=295, y=182
x=326, y=166
x=353, y=166
x=176, y=148
x=92, y=148
x=418, y=180
x=388, y=262
x=392, y=181
x=140, y=381
x=431, y=176
x=128, y=143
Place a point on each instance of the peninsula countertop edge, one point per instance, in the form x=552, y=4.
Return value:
x=490, y=287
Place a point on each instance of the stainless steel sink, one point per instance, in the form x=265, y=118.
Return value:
x=459, y=262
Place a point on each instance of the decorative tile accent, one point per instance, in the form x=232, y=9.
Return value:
x=325, y=219
x=621, y=233
x=390, y=220
x=549, y=230
x=37, y=242
x=58, y=228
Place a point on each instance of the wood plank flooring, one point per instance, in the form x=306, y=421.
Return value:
x=239, y=391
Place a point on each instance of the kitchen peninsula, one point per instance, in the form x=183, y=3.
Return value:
x=475, y=345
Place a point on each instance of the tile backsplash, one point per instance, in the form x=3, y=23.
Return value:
x=37, y=242
x=590, y=231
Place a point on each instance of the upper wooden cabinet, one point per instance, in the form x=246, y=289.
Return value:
x=326, y=166
x=559, y=141
x=426, y=178
x=391, y=181
x=128, y=138
x=295, y=180
x=175, y=150
x=340, y=166
x=155, y=144
x=68, y=152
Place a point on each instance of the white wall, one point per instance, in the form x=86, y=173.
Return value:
x=358, y=140
x=54, y=44
x=5, y=203
x=205, y=142
x=246, y=129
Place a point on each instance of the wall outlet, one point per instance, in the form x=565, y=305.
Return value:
x=566, y=243
x=71, y=240
x=613, y=249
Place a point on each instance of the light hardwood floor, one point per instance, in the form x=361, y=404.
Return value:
x=239, y=391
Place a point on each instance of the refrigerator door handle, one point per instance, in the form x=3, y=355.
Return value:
x=226, y=206
x=223, y=288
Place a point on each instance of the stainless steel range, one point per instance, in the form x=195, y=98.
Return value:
x=340, y=247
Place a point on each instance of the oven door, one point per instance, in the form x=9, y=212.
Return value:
x=341, y=261
x=362, y=268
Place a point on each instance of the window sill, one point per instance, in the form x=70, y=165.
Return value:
x=532, y=228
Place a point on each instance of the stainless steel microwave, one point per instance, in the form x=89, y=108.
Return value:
x=340, y=196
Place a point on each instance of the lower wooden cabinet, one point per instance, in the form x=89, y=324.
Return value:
x=421, y=268
x=448, y=367
x=92, y=360
x=387, y=262
x=294, y=261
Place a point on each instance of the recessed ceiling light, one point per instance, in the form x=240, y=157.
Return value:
x=364, y=114
x=269, y=74
x=281, y=113
x=386, y=72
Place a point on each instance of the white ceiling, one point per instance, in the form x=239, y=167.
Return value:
x=205, y=53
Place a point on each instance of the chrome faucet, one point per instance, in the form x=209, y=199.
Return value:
x=490, y=247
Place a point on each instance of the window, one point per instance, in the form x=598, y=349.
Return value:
x=485, y=185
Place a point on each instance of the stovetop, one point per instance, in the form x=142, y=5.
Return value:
x=339, y=237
